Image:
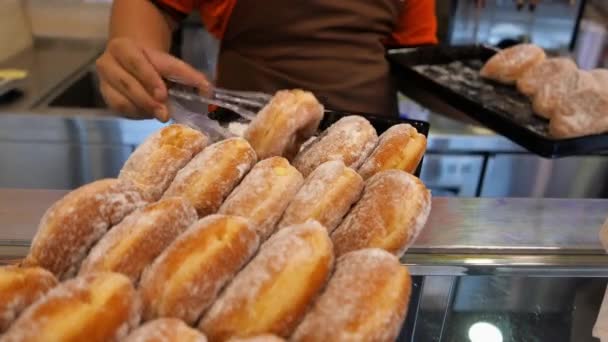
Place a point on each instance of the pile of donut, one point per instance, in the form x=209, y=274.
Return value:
x=575, y=101
x=194, y=242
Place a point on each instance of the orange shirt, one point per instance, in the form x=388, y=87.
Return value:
x=417, y=24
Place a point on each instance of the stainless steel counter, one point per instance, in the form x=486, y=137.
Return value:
x=462, y=236
x=48, y=63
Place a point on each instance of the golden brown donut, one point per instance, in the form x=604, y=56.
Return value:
x=350, y=139
x=264, y=194
x=259, y=338
x=212, y=174
x=135, y=242
x=552, y=95
x=272, y=293
x=366, y=299
x=19, y=288
x=392, y=211
x=400, y=147
x=510, y=64
x=289, y=119
x=584, y=112
x=165, y=330
x=543, y=73
x=187, y=277
x=601, y=77
x=326, y=196
x=73, y=224
x=95, y=307
x=154, y=163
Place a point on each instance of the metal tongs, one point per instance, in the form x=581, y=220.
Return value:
x=188, y=105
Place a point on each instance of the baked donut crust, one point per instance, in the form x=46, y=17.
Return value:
x=259, y=338
x=289, y=119
x=272, y=293
x=134, y=243
x=326, y=196
x=95, y=307
x=154, y=164
x=187, y=277
x=510, y=64
x=543, y=73
x=19, y=288
x=400, y=147
x=392, y=211
x=350, y=139
x=73, y=224
x=264, y=194
x=165, y=330
x=584, y=112
x=208, y=178
x=551, y=97
x=366, y=299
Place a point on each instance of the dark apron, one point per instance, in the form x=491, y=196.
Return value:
x=330, y=47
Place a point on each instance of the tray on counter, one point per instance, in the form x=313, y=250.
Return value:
x=450, y=75
x=380, y=123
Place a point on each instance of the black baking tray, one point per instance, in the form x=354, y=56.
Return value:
x=380, y=123
x=450, y=75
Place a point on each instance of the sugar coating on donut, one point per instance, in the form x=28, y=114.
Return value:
x=259, y=338
x=210, y=176
x=102, y=304
x=165, y=330
x=326, y=196
x=185, y=279
x=264, y=194
x=154, y=164
x=534, y=78
x=510, y=64
x=73, y=224
x=365, y=300
x=298, y=251
x=350, y=139
x=391, y=213
x=400, y=147
x=551, y=96
x=290, y=118
x=19, y=288
x=136, y=241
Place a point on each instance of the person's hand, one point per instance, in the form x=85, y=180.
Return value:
x=131, y=78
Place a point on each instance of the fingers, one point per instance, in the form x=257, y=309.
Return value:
x=117, y=101
x=169, y=66
x=134, y=61
x=116, y=77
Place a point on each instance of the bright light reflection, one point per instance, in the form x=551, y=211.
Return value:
x=484, y=332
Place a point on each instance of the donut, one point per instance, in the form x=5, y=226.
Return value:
x=73, y=224
x=366, y=299
x=210, y=176
x=601, y=77
x=264, y=194
x=165, y=330
x=543, y=73
x=19, y=288
x=326, y=196
x=187, y=277
x=400, y=147
x=584, y=112
x=551, y=96
x=272, y=293
x=392, y=211
x=350, y=139
x=155, y=163
x=95, y=307
x=289, y=119
x=510, y=64
x=259, y=338
x=134, y=243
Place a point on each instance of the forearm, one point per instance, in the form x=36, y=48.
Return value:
x=143, y=22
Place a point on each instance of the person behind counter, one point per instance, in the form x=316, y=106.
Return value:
x=335, y=49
